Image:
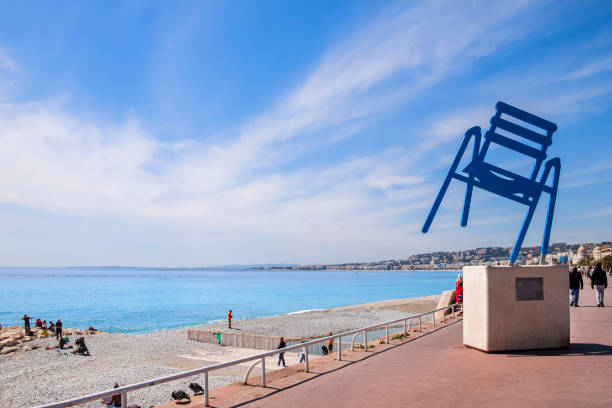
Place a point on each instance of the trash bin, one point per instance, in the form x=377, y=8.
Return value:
x=218, y=337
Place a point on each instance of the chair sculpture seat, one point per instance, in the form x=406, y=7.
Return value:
x=502, y=182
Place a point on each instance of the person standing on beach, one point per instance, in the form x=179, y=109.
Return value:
x=281, y=356
x=58, y=329
x=26, y=324
x=599, y=282
x=229, y=319
x=576, y=283
x=330, y=343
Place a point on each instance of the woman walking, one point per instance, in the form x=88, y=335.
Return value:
x=575, y=283
x=599, y=282
x=281, y=356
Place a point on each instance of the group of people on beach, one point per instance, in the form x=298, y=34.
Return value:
x=55, y=328
x=596, y=276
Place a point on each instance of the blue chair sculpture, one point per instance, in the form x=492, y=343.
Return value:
x=502, y=182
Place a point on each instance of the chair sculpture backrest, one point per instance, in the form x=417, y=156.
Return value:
x=513, y=130
x=497, y=122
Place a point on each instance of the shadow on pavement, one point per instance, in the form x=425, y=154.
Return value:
x=575, y=349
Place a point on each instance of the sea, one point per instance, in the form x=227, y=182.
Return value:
x=143, y=300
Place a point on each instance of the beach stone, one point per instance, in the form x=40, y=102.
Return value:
x=35, y=346
x=78, y=333
x=7, y=350
x=26, y=348
x=28, y=338
x=9, y=342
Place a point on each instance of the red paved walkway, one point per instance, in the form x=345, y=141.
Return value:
x=438, y=371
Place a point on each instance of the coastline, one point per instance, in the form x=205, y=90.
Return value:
x=42, y=376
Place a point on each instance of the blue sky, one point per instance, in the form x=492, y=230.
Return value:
x=202, y=133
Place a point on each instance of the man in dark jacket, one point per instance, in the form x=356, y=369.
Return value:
x=599, y=282
x=575, y=285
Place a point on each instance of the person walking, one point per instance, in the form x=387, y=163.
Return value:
x=599, y=282
x=302, y=353
x=26, y=324
x=58, y=329
x=575, y=283
x=281, y=356
x=229, y=319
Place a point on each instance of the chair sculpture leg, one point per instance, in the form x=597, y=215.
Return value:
x=556, y=165
x=475, y=131
x=519, y=241
x=470, y=183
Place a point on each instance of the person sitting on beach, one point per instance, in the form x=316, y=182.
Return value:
x=114, y=401
x=330, y=343
x=91, y=328
x=281, y=356
x=51, y=326
x=38, y=323
x=324, y=350
x=44, y=324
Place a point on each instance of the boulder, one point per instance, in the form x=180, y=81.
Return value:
x=35, y=346
x=26, y=348
x=8, y=342
x=28, y=338
x=7, y=350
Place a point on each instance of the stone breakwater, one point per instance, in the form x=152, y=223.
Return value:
x=13, y=338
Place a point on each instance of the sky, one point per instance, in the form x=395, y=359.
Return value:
x=199, y=133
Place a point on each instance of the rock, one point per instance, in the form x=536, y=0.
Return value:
x=28, y=338
x=78, y=333
x=50, y=348
x=35, y=346
x=26, y=348
x=7, y=350
x=8, y=342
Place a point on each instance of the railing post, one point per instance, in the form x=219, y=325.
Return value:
x=263, y=371
x=306, y=362
x=453, y=309
x=124, y=400
x=206, y=389
x=387, y=334
x=339, y=348
x=405, y=332
x=433, y=317
x=365, y=340
x=420, y=318
x=443, y=313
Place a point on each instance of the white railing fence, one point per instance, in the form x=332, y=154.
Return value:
x=258, y=359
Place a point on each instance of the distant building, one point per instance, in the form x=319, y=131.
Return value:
x=581, y=254
x=600, y=252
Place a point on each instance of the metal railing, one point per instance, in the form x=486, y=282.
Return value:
x=258, y=359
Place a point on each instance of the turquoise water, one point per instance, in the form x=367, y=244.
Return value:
x=135, y=300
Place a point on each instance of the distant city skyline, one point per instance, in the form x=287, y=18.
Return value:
x=212, y=133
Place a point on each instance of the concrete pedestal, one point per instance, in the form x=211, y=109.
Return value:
x=516, y=307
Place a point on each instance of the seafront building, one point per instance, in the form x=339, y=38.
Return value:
x=558, y=253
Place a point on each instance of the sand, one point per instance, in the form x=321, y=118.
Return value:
x=43, y=376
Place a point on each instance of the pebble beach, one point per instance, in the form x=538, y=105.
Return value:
x=38, y=376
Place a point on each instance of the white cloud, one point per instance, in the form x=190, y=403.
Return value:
x=604, y=64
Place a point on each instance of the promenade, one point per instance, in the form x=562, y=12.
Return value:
x=436, y=370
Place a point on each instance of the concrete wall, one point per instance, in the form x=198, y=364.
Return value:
x=495, y=321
